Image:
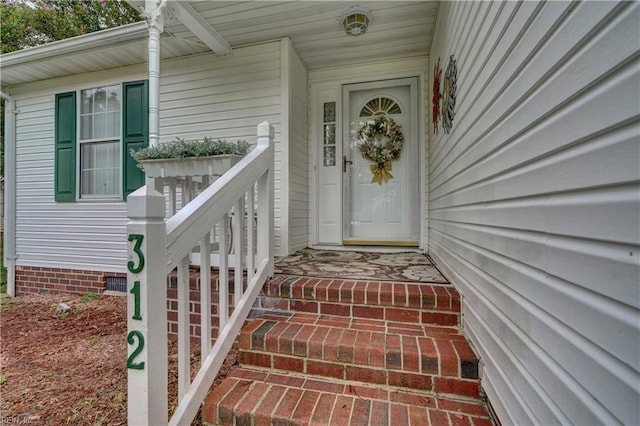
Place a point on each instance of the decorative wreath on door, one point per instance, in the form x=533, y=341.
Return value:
x=372, y=146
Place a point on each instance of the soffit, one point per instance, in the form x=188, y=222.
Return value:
x=399, y=29
x=87, y=53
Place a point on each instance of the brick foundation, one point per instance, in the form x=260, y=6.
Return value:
x=194, y=302
x=40, y=280
x=34, y=279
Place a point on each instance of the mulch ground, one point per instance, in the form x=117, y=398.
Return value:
x=71, y=368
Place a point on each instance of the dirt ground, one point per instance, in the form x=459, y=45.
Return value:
x=71, y=368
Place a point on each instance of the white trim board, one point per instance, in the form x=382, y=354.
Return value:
x=327, y=83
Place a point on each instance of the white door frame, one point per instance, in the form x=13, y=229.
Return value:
x=323, y=91
x=347, y=89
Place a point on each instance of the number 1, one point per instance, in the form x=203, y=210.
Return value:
x=135, y=290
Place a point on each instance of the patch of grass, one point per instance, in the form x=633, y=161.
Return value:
x=95, y=339
x=87, y=403
x=47, y=374
x=3, y=380
x=81, y=412
x=75, y=418
x=8, y=303
x=118, y=397
x=87, y=297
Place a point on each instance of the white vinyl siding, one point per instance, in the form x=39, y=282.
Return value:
x=63, y=235
x=535, y=203
x=203, y=95
x=226, y=97
x=221, y=97
x=298, y=151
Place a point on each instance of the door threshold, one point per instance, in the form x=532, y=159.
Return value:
x=373, y=249
x=386, y=243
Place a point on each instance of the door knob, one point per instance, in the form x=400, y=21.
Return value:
x=344, y=163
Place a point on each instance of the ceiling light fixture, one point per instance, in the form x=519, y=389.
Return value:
x=356, y=20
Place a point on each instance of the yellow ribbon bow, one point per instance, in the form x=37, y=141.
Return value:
x=381, y=172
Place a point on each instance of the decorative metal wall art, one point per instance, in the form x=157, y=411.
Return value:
x=449, y=93
x=437, y=73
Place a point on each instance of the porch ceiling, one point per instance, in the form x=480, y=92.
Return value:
x=398, y=29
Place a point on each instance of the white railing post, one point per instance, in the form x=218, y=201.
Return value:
x=265, y=201
x=184, y=328
x=147, y=308
x=223, y=273
x=250, y=237
x=238, y=248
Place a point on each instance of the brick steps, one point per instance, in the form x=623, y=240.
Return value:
x=261, y=397
x=431, y=358
x=331, y=351
x=391, y=301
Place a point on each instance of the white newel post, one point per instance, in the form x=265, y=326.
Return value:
x=265, y=202
x=147, y=308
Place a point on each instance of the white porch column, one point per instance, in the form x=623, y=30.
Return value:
x=155, y=23
x=10, y=192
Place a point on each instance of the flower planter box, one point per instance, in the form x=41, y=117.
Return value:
x=215, y=165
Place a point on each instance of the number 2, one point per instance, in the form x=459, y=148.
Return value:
x=131, y=340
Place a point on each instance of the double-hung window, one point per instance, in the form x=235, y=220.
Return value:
x=95, y=128
x=99, y=142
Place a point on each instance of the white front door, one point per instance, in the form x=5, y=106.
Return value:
x=385, y=213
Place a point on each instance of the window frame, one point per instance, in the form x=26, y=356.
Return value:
x=79, y=142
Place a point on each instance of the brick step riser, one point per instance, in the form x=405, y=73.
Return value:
x=402, y=302
x=368, y=293
x=443, y=356
x=444, y=385
x=266, y=398
x=365, y=351
x=436, y=298
x=405, y=302
x=388, y=313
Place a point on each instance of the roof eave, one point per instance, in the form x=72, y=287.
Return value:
x=89, y=41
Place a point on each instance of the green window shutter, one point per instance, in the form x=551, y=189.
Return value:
x=135, y=132
x=65, y=147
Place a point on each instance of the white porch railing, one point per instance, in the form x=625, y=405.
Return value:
x=157, y=246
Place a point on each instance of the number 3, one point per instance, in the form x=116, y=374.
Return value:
x=136, y=249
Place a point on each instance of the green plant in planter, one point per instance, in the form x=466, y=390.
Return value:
x=181, y=148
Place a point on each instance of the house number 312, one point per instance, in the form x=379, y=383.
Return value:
x=136, y=337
